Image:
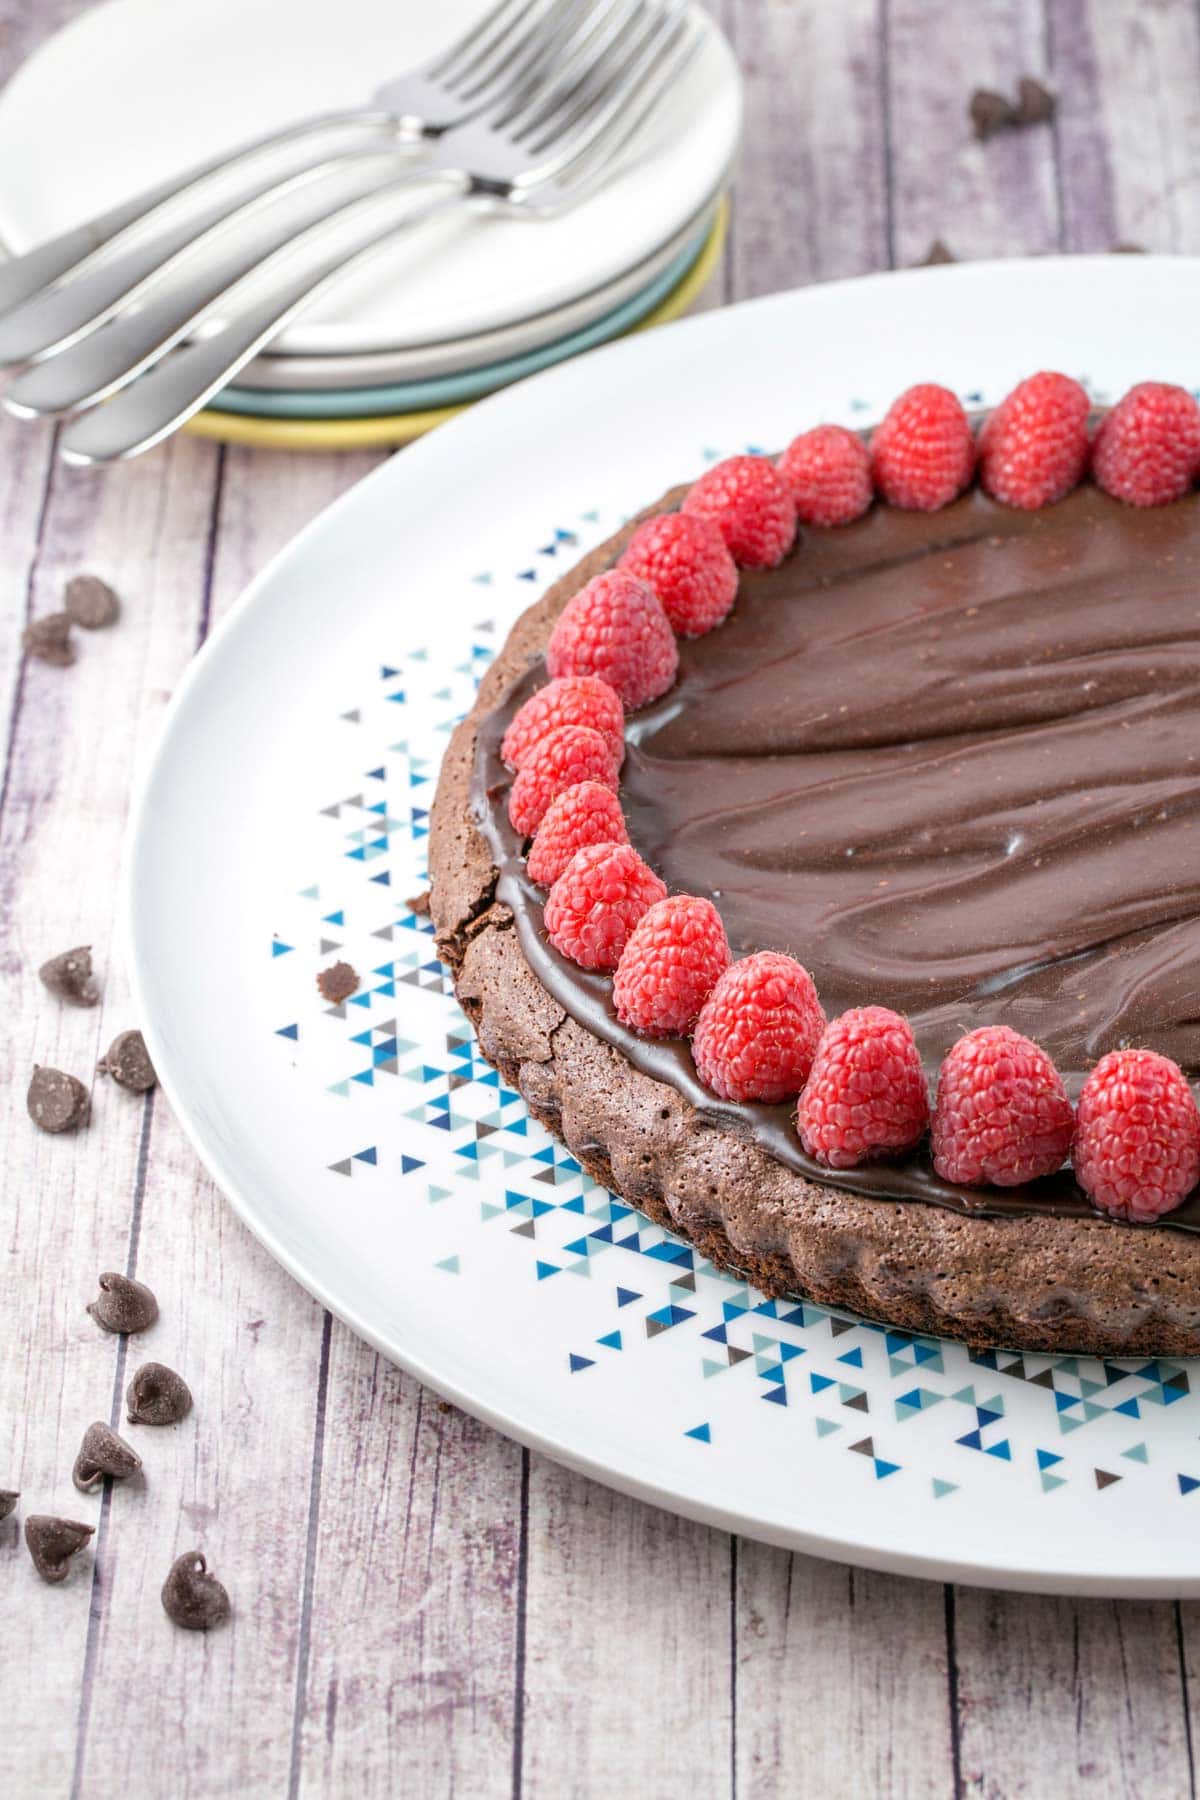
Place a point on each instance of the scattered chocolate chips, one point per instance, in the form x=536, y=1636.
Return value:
x=56, y=1102
x=192, y=1597
x=936, y=253
x=90, y=602
x=69, y=976
x=1036, y=105
x=337, y=983
x=8, y=1502
x=123, y=1305
x=53, y=1542
x=128, y=1062
x=989, y=113
x=103, y=1453
x=157, y=1396
x=49, y=638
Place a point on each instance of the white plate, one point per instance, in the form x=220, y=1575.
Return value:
x=135, y=89
x=284, y=822
x=429, y=362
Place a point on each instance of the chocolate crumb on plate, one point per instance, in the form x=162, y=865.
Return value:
x=1036, y=105
x=69, y=976
x=123, y=1305
x=49, y=638
x=337, y=983
x=192, y=1597
x=90, y=602
x=989, y=113
x=53, y=1542
x=157, y=1396
x=936, y=253
x=127, y=1060
x=8, y=1501
x=56, y=1102
x=103, y=1453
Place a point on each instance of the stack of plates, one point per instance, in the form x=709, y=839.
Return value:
x=455, y=308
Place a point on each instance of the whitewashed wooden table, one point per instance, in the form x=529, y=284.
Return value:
x=422, y=1608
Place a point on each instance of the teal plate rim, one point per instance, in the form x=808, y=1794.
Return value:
x=447, y=390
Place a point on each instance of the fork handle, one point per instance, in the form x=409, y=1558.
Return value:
x=141, y=415
x=23, y=276
x=100, y=362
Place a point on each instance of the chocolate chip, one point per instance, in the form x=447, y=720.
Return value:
x=1036, y=105
x=90, y=602
x=103, y=1453
x=128, y=1062
x=69, y=975
x=1129, y=250
x=157, y=1396
x=53, y=1542
x=123, y=1305
x=49, y=638
x=192, y=1597
x=337, y=983
x=990, y=112
x=936, y=253
x=8, y=1501
x=56, y=1102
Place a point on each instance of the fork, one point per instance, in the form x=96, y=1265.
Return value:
x=544, y=154
x=81, y=364
x=496, y=59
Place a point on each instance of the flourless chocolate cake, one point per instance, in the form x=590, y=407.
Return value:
x=947, y=760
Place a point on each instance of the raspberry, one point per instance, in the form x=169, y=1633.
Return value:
x=564, y=757
x=1034, y=447
x=923, y=454
x=615, y=628
x=668, y=968
x=1137, y=1139
x=686, y=562
x=1147, y=450
x=597, y=901
x=758, y=1029
x=1002, y=1113
x=828, y=474
x=572, y=700
x=866, y=1094
x=747, y=501
x=585, y=814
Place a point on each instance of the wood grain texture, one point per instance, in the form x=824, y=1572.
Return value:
x=842, y=1681
x=72, y=1204
x=1088, y=1689
x=627, y=1677
x=420, y=1606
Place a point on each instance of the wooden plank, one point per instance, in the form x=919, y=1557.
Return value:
x=842, y=1681
x=1088, y=1689
x=71, y=1204
x=627, y=1677
x=233, y=1479
x=1128, y=123
x=413, y=1620
x=993, y=199
x=811, y=196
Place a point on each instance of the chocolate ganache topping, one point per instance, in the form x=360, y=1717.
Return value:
x=952, y=763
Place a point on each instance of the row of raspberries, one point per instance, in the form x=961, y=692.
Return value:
x=1001, y=1115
